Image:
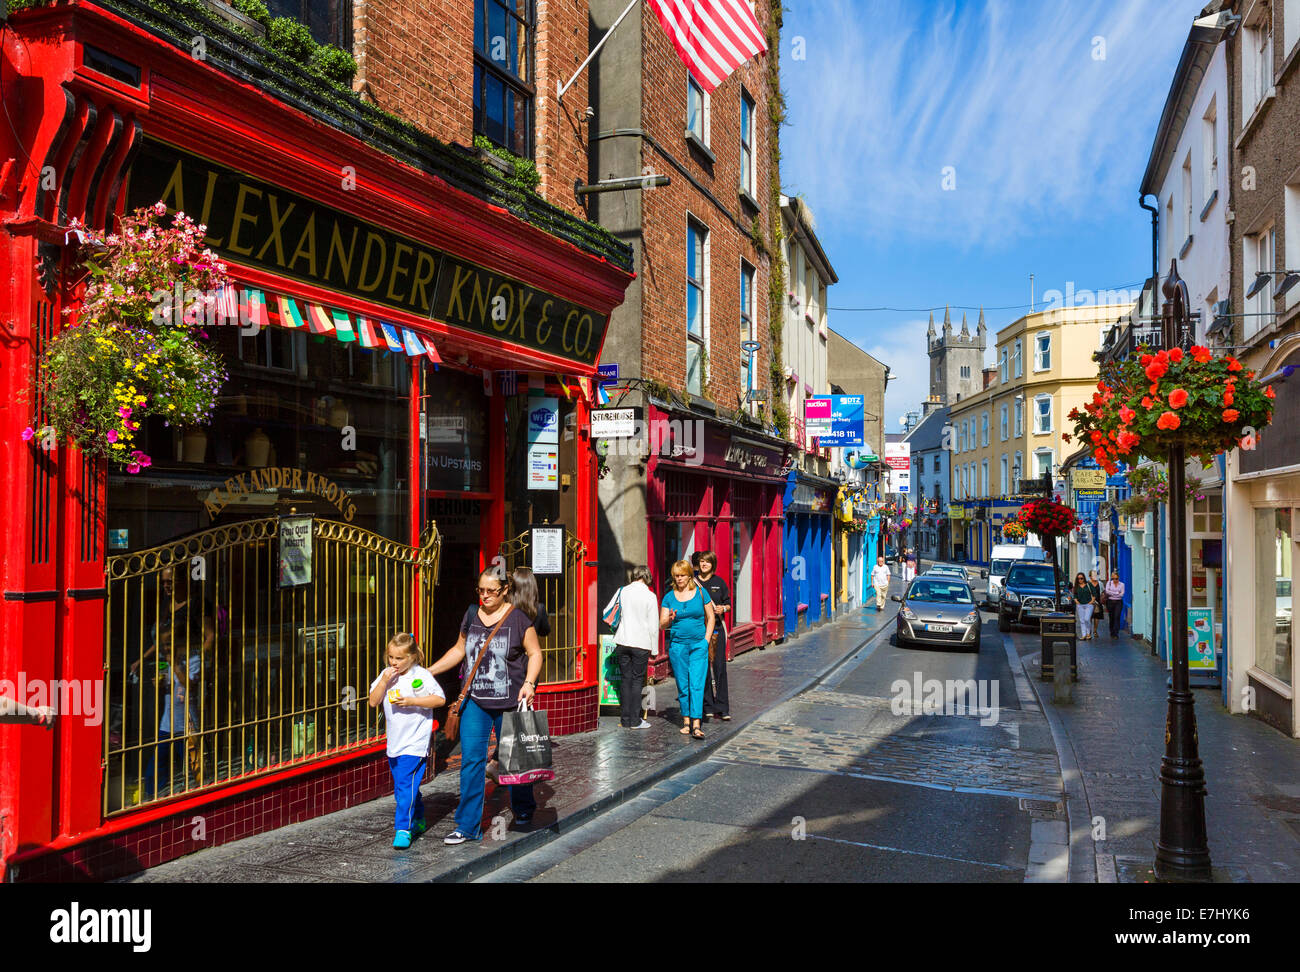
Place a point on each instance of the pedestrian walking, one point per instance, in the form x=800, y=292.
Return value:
x=880, y=581
x=909, y=565
x=1115, y=602
x=524, y=596
x=636, y=640
x=409, y=694
x=1083, y=606
x=686, y=612
x=716, y=702
x=1098, y=600
x=503, y=659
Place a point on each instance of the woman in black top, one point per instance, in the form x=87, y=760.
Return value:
x=716, y=702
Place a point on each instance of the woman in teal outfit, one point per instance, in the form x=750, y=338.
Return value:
x=686, y=613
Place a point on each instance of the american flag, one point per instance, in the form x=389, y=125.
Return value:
x=712, y=37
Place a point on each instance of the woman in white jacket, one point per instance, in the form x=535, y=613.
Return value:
x=637, y=638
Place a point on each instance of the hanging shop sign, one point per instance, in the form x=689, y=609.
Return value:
x=956, y=513
x=613, y=423
x=260, y=224
x=809, y=499
x=280, y=478
x=546, y=545
x=836, y=420
x=1088, y=483
x=295, y=551
x=898, y=457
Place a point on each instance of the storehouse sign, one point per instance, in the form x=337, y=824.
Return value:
x=263, y=225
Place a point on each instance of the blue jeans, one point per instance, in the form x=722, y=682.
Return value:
x=690, y=661
x=407, y=772
x=160, y=764
x=476, y=727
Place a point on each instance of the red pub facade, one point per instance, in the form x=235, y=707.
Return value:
x=379, y=410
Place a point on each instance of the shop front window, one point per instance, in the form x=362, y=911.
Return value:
x=1274, y=576
x=742, y=571
x=257, y=569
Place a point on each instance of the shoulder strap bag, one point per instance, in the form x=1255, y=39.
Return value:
x=452, y=729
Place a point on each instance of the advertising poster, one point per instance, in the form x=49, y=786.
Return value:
x=611, y=679
x=547, y=546
x=295, y=551
x=847, y=420
x=1200, y=639
x=898, y=457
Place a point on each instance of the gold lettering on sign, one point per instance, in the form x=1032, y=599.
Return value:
x=207, y=208
x=507, y=293
x=306, y=246
x=277, y=228
x=419, y=298
x=173, y=193
x=371, y=239
x=240, y=216
x=456, y=305
x=397, y=266
x=546, y=320
x=336, y=247
x=280, y=477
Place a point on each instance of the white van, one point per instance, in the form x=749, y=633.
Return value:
x=1000, y=561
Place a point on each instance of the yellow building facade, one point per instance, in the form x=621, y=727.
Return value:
x=1010, y=432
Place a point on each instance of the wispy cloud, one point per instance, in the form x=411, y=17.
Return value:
x=1041, y=110
x=901, y=346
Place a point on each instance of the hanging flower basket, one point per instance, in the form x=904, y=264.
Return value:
x=1047, y=518
x=131, y=356
x=1013, y=530
x=1149, y=403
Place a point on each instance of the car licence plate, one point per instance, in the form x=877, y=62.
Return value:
x=940, y=628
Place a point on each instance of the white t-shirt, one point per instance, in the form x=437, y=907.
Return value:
x=880, y=576
x=409, y=726
x=638, y=625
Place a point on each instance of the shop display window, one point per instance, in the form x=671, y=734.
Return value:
x=1274, y=577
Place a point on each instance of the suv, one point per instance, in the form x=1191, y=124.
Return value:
x=1028, y=592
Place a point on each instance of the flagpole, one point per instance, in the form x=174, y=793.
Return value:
x=561, y=88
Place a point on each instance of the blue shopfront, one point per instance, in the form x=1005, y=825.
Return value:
x=806, y=588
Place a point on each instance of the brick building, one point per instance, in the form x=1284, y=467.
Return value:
x=369, y=373
x=702, y=249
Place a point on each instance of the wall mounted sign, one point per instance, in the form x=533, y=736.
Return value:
x=1201, y=651
x=543, y=419
x=847, y=425
x=546, y=545
x=543, y=466
x=295, y=551
x=608, y=373
x=257, y=223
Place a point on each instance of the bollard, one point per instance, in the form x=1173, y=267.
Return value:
x=1061, y=682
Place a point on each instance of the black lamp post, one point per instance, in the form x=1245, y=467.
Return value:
x=1182, y=853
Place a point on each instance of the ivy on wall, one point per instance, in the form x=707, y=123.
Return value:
x=776, y=272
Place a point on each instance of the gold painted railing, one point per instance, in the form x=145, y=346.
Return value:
x=217, y=672
x=564, y=597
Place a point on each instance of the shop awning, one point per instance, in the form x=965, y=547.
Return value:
x=281, y=310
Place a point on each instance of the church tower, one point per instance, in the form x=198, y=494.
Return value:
x=956, y=361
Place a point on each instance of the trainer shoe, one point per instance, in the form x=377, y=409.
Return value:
x=418, y=827
x=456, y=837
x=402, y=840
x=644, y=725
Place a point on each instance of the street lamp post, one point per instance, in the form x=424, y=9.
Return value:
x=1182, y=853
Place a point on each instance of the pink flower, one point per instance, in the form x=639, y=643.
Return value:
x=28, y=434
x=160, y=208
x=112, y=435
x=133, y=467
x=124, y=411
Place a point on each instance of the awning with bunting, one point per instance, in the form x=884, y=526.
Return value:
x=292, y=313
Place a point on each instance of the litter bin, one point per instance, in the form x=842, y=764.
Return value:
x=1058, y=627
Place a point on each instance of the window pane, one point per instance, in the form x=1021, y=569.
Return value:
x=1274, y=577
x=693, y=374
x=694, y=310
x=694, y=109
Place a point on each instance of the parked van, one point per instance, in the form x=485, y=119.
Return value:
x=1000, y=560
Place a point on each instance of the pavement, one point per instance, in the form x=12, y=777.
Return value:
x=1111, y=741
x=595, y=773
x=1048, y=792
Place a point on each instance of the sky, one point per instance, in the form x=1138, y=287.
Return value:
x=948, y=150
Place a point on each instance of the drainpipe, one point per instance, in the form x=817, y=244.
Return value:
x=1155, y=518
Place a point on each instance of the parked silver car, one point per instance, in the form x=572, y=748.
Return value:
x=938, y=610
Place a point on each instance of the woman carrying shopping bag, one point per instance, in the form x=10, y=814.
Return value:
x=503, y=659
x=632, y=613
x=687, y=614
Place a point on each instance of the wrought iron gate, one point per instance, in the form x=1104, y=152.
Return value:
x=218, y=671
x=564, y=597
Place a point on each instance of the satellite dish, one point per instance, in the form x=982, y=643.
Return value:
x=902, y=420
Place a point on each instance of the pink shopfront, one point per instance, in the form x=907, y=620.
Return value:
x=725, y=497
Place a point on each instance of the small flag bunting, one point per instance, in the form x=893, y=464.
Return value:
x=366, y=333
x=391, y=337
x=318, y=320
x=342, y=325
x=431, y=351
x=602, y=396
x=257, y=308
x=289, y=313
x=413, y=345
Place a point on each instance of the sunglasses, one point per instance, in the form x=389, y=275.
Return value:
x=490, y=590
